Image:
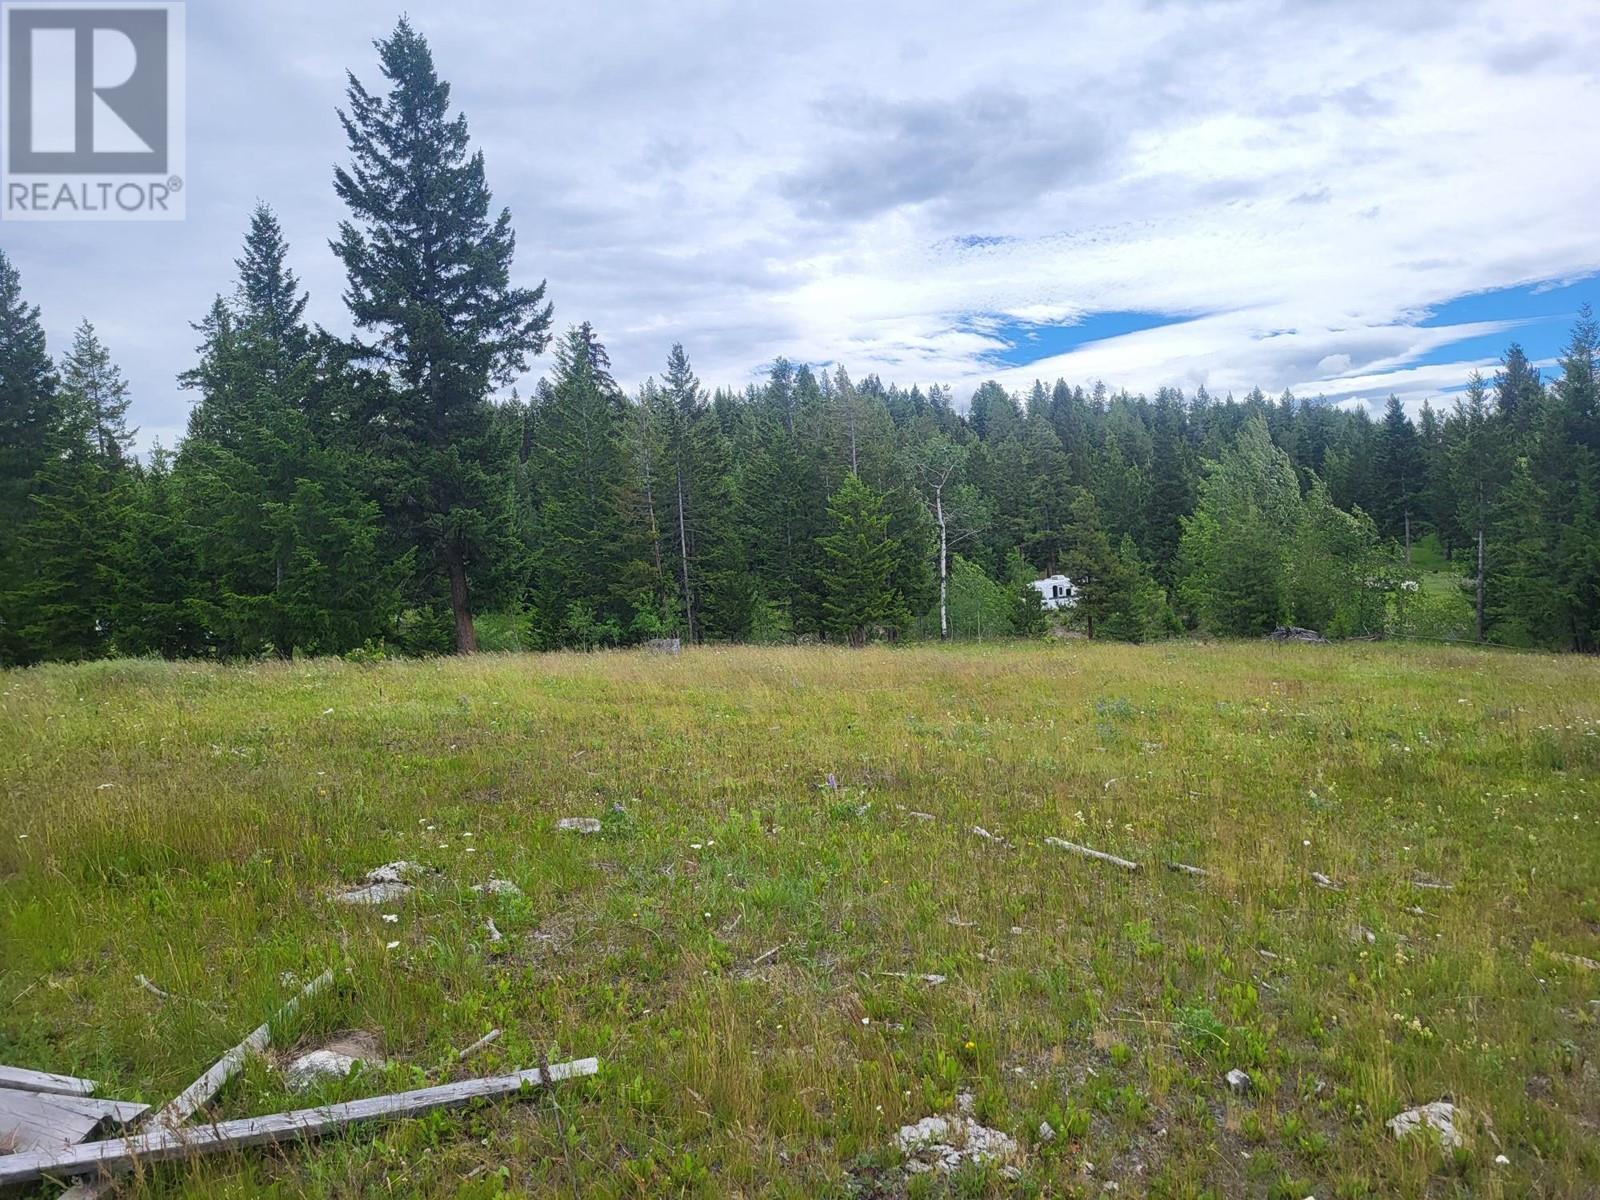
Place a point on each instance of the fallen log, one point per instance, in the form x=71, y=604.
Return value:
x=1100, y=855
x=199, y=1093
x=165, y=1145
x=1186, y=869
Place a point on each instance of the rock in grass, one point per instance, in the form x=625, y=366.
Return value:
x=1047, y=1132
x=579, y=824
x=497, y=887
x=305, y=1072
x=373, y=894
x=1238, y=1082
x=382, y=884
x=400, y=871
x=1294, y=633
x=337, y=1059
x=1439, y=1116
x=944, y=1143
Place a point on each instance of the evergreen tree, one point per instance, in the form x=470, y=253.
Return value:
x=65, y=580
x=280, y=523
x=858, y=564
x=1235, y=577
x=154, y=609
x=680, y=408
x=1172, y=484
x=1478, y=471
x=94, y=396
x=1400, y=474
x=29, y=413
x=430, y=273
x=584, y=548
x=269, y=293
x=1100, y=585
x=1518, y=390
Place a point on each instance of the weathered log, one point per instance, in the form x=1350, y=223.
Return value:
x=1100, y=855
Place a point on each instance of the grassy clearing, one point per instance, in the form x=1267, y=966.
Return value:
x=188, y=823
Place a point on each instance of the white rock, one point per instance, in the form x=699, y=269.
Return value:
x=1500, y=1160
x=579, y=824
x=1047, y=1132
x=304, y=1072
x=1238, y=1081
x=396, y=872
x=497, y=887
x=1439, y=1116
x=383, y=884
x=373, y=894
x=944, y=1143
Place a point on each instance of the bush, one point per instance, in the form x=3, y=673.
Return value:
x=1441, y=611
x=770, y=623
x=502, y=632
x=979, y=607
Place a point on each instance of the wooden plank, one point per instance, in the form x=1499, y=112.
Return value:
x=44, y=1081
x=36, y=1120
x=199, y=1093
x=164, y=1145
x=28, y=1121
x=1100, y=855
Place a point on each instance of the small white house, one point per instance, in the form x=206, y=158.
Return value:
x=1056, y=591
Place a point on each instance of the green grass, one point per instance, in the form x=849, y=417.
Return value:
x=188, y=823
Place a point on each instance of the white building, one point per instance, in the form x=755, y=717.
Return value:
x=1056, y=591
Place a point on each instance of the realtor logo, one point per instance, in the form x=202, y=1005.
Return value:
x=92, y=127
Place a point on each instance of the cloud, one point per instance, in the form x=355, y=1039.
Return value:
x=1296, y=185
x=977, y=154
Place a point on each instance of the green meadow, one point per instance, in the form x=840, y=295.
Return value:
x=787, y=941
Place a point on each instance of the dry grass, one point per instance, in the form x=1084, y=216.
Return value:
x=189, y=822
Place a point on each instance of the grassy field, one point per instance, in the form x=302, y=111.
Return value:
x=189, y=823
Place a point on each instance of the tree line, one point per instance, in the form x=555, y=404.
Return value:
x=378, y=493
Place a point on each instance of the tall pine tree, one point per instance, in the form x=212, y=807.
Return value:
x=430, y=275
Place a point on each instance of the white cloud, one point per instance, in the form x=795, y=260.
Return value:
x=843, y=182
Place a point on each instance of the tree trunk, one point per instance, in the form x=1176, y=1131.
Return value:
x=1408, y=537
x=683, y=552
x=944, y=568
x=1480, y=564
x=655, y=529
x=466, y=636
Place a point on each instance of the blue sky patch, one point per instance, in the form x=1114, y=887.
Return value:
x=1029, y=341
x=1546, y=314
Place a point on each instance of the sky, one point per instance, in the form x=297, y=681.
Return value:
x=1341, y=198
